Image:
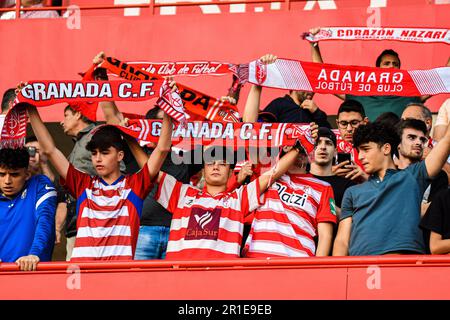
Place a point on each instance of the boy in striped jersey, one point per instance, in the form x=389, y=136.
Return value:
x=208, y=223
x=297, y=208
x=109, y=204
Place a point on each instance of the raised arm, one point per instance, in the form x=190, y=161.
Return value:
x=438, y=156
x=316, y=55
x=109, y=108
x=283, y=165
x=56, y=157
x=156, y=159
x=251, y=108
x=159, y=154
x=111, y=112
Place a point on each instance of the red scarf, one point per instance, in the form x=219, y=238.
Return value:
x=83, y=93
x=426, y=35
x=195, y=68
x=233, y=135
x=336, y=79
x=199, y=105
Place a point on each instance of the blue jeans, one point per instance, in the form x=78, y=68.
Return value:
x=152, y=242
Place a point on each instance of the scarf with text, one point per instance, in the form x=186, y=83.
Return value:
x=195, y=68
x=233, y=135
x=425, y=35
x=198, y=105
x=46, y=93
x=337, y=79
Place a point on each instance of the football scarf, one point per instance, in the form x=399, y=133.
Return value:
x=198, y=105
x=233, y=135
x=82, y=93
x=337, y=79
x=424, y=35
x=195, y=68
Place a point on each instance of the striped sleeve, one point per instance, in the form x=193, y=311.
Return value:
x=141, y=183
x=169, y=191
x=249, y=196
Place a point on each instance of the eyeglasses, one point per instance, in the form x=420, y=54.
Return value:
x=344, y=124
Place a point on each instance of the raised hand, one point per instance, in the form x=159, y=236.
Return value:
x=268, y=58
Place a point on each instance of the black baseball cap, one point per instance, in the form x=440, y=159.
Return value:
x=326, y=133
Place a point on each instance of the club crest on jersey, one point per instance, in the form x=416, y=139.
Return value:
x=260, y=72
x=203, y=224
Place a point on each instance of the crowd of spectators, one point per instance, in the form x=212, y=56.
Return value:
x=378, y=184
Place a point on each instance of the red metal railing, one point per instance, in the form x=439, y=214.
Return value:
x=151, y=5
x=315, y=262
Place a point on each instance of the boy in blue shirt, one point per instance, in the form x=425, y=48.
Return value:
x=382, y=215
x=27, y=212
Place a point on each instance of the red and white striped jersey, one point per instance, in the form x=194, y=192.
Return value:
x=286, y=224
x=107, y=215
x=205, y=226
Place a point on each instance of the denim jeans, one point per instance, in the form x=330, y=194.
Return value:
x=152, y=242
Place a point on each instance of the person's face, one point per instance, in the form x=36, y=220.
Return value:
x=106, y=162
x=70, y=122
x=324, y=152
x=12, y=180
x=372, y=156
x=389, y=61
x=415, y=112
x=347, y=123
x=217, y=173
x=412, y=144
x=33, y=165
x=301, y=161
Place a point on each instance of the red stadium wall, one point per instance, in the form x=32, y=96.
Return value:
x=47, y=49
x=384, y=277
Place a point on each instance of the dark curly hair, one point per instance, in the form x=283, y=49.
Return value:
x=105, y=137
x=14, y=158
x=415, y=124
x=379, y=133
